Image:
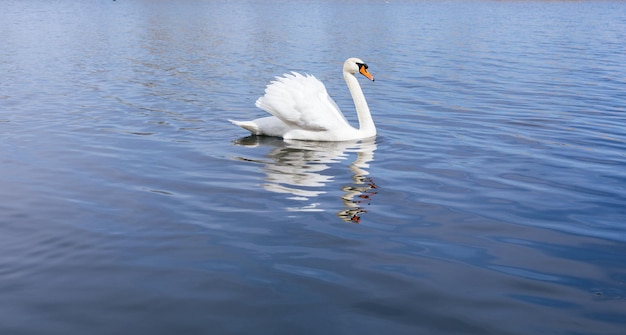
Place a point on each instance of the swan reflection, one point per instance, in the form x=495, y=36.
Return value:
x=303, y=169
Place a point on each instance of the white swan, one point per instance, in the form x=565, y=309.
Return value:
x=302, y=109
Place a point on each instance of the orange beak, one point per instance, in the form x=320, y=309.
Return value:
x=363, y=71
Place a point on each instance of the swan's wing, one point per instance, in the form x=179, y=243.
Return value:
x=301, y=101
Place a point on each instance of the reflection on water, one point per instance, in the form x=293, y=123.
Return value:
x=302, y=169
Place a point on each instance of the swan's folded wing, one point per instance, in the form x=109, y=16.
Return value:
x=302, y=102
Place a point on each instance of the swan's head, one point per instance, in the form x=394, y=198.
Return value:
x=354, y=65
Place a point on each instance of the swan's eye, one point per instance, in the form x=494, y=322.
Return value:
x=362, y=65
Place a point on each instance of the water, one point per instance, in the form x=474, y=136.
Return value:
x=491, y=202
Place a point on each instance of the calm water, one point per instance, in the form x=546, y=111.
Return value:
x=493, y=200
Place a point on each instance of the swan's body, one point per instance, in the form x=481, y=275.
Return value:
x=301, y=108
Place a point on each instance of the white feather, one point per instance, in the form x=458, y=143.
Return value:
x=301, y=101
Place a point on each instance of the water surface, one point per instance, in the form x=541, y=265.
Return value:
x=492, y=201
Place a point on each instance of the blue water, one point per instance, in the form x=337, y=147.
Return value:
x=492, y=201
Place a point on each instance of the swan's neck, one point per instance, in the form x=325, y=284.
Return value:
x=366, y=123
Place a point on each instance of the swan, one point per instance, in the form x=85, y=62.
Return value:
x=301, y=108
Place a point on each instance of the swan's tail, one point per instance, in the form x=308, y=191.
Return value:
x=248, y=125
